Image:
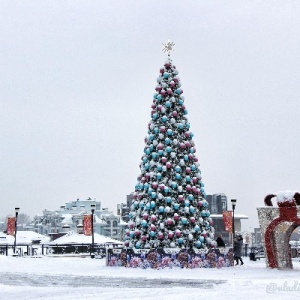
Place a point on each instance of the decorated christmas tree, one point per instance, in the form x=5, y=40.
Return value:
x=169, y=209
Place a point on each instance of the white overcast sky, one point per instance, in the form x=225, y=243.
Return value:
x=76, y=86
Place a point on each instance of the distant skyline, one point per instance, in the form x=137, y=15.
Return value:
x=76, y=86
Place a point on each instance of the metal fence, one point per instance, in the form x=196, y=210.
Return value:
x=98, y=250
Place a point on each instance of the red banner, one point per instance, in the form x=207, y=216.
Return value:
x=87, y=224
x=11, y=223
x=227, y=218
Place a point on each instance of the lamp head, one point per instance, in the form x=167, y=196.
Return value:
x=233, y=203
x=93, y=207
x=17, y=210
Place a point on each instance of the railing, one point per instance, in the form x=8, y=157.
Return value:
x=20, y=250
x=99, y=250
x=75, y=249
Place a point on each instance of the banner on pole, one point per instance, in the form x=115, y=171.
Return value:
x=227, y=218
x=11, y=224
x=87, y=224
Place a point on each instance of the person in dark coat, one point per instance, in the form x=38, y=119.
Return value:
x=220, y=241
x=237, y=249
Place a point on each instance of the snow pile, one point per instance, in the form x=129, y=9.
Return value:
x=285, y=196
x=75, y=238
x=84, y=278
x=67, y=219
x=23, y=237
x=6, y=239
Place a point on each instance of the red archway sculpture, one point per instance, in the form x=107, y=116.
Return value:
x=271, y=219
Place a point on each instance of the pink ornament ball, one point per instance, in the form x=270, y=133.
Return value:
x=200, y=204
x=145, y=216
x=170, y=235
x=192, y=220
x=153, y=218
x=160, y=146
x=159, y=107
x=168, y=165
x=175, y=79
x=172, y=84
x=176, y=217
x=195, y=159
x=195, y=179
x=167, y=65
x=188, y=188
x=127, y=244
x=170, y=222
x=162, y=128
x=158, y=88
x=191, y=156
x=153, y=227
x=143, y=238
x=169, y=91
x=162, y=92
x=178, y=233
x=174, y=113
x=180, y=198
x=162, y=187
x=188, y=170
x=182, y=145
x=154, y=185
x=163, y=160
x=160, y=235
x=187, y=134
x=131, y=225
x=162, y=70
x=187, y=144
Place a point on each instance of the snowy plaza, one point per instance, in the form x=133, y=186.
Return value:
x=56, y=278
x=99, y=105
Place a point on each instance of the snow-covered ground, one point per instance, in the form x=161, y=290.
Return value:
x=85, y=278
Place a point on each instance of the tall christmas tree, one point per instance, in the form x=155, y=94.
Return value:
x=169, y=207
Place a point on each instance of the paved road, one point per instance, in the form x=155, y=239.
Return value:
x=23, y=279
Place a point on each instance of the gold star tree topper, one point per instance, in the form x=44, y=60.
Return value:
x=168, y=47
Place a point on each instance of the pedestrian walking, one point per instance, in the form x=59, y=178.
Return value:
x=237, y=249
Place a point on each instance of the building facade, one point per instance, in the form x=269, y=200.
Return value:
x=70, y=217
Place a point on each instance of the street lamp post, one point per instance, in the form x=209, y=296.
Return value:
x=233, y=203
x=16, y=224
x=93, y=206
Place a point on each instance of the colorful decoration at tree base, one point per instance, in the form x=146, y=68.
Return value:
x=277, y=225
x=161, y=258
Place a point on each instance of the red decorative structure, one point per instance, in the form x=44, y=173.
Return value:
x=277, y=225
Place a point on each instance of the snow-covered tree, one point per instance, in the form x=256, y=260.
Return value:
x=169, y=207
